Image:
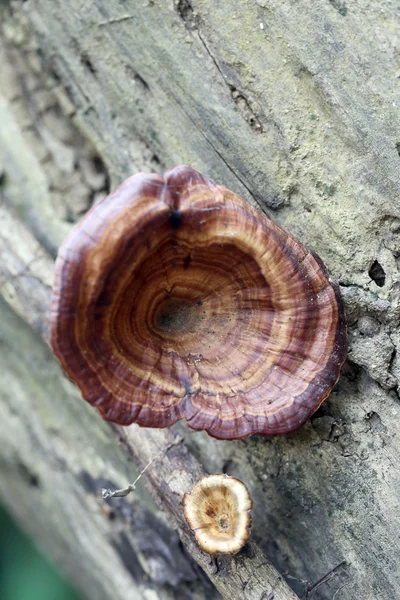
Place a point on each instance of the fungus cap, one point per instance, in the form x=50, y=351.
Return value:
x=174, y=298
x=217, y=510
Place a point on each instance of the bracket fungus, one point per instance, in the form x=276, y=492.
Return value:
x=174, y=298
x=217, y=510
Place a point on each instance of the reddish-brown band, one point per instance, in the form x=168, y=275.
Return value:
x=174, y=298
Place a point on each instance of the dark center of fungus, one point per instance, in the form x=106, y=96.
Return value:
x=193, y=315
x=175, y=315
x=224, y=522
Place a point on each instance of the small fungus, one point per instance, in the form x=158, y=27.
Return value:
x=174, y=298
x=217, y=510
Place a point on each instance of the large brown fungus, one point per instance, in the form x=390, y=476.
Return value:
x=175, y=298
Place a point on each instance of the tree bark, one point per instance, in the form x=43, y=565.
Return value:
x=293, y=106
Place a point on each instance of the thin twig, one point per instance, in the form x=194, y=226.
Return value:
x=117, y=20
x=107, y=493
x=313, y=586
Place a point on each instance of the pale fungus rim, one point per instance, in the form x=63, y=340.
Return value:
x=217, y=510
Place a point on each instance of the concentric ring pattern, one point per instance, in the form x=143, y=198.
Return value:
x=175, y=298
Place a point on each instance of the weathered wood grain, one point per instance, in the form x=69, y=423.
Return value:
x=293, y=105
x=173, y=474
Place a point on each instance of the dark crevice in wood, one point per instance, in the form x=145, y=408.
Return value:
x=137, y=78
x=185, y=10
x=246, y=110
x=29, y=476
x=339, y=6
x=377, y=273
x=87, y=63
